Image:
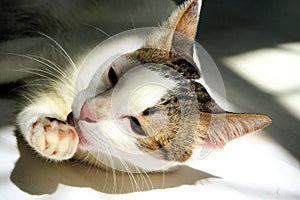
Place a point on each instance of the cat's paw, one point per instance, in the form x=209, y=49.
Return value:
x=53, y=139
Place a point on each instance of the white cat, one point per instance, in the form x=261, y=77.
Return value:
x=134, y=103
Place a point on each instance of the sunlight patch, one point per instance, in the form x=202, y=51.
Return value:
x=273, y=70
x=291, y=102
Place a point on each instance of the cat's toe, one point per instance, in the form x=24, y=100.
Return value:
x=54, y=139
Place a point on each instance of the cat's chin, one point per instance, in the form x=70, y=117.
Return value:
x=82, y=143
x=82, y=140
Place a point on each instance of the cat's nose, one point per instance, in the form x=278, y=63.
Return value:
x=86, y=114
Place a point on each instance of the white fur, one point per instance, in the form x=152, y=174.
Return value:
x=139, y=89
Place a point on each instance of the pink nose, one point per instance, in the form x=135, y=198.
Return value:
x=86, y=114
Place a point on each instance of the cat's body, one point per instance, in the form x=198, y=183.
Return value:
x=101, y=113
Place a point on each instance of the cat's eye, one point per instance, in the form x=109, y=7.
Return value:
x=112, y=76
x=136, y=126
x=146, y=112
x=149, y=111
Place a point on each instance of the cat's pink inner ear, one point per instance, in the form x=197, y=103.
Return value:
x=215, y=130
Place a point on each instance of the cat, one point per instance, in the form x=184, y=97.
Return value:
x=135, y=104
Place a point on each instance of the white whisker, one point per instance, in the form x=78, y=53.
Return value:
x=62, y=90
x=146, y=179
x=32, y=57
x=112, y=164
x=132, y=22
x=134, y=183
x=52, y=65
x=47, y=70
x=100, y=30
x=64, y=53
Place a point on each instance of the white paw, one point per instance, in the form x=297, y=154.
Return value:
x=53, y=139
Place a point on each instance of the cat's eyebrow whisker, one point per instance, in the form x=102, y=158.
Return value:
x=100, y=30
x=62, y=50
x=131, y=20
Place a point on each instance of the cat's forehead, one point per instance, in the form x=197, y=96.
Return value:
x=173, y=65
x=159, y=77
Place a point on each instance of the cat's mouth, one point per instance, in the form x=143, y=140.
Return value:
x=74, y=123
x=70, y=119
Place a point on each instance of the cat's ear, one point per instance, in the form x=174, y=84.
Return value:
x=215, y=130
x=179, y=31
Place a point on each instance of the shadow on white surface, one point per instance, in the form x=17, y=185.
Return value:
x=43, y=177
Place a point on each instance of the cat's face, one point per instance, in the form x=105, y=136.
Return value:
x=147, y=108
x=142, y=109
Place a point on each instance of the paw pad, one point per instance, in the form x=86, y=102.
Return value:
x=54, y=139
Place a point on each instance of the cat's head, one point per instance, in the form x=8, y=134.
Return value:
x=148, y=108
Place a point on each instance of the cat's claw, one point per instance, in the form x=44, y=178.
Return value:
x=54, y=139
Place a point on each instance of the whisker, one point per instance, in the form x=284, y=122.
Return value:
x=27, y=98
x=66, y=85
x=30, y=57
x=114, y=189
x=51, y=65
x=100, y=30
x=132, y=22
x=146, y=179
x=34, y=73
x=134, y=182
x=43, y=61
x=122, y=181
x=65, y=54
